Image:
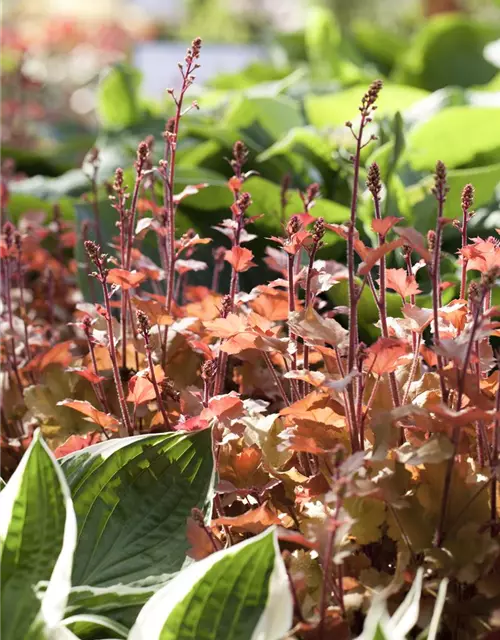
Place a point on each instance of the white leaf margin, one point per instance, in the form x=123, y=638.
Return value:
x=55, y=597
x=275, y=621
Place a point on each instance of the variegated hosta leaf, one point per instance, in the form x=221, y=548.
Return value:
x=38, y=537
x=132, y=498
x=241, y=592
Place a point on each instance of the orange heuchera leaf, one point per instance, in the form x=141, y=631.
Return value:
x=419, y=318
x=144, y=205
x=455, y=313
x=225, y=407
x=190, y=190
x=401, y=282
x=384, y=225
x=416, y=241
x=59, y=354
x=104, y=420
x=202, y=544
x=385, y=355
x=88, y=374
x=246, y=462
x=141, y=389
x=226, y=327
x=240, y=259
x=156, y=312
x=234, y=184
x=360, y=247
x=125, y=279
x=371, y=258
x=254, y=521
x=76, y=443
x=310, y=325
x=271, y=303
x=482, y=255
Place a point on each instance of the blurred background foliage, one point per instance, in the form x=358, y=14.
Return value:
x=283, y=77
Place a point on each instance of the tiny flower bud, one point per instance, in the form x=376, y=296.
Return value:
x=143, y=323
x=373, y=182
x=431, y=240
x=293, y=225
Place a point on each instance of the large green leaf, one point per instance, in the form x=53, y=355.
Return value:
x=241, y=592
x=132, y=498
x=459, y=136
x=266, y=200
x=448, y=50
x=38, y=537
x=275, y=115
x=305, y=141
x=117, y=97
x=335, y=109
x=90, y=625
x=323, y=39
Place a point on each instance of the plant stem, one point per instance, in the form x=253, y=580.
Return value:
x=494, y=459
x=154, y=382
x=272, y=370
x=456, y=429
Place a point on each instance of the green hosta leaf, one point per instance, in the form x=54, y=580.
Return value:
x=275, y=115
x=444, y=137
x=117, y=97
x=305, y=141
x=241, y=592
x=323, y=39
x=484, y=179
x=38, y=537
x=266, y=199
x=335, y=109
x=132, y=498
x=86, y=625
x=448, y=50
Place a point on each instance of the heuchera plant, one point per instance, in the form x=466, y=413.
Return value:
x=192, y=462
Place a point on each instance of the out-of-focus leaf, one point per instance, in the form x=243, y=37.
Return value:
x=335, y=109
x=117, y=97
x=444, y=138
x=448, y=50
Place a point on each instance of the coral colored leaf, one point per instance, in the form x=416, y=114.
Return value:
x=226, y=407
x=253, y=521
x=455, y=313
x=226, y=327
x=416, y=241
x=202, y=543
x=156, y=312
x=141, y=389
x=234, y=184
x=59, y=354
x=240, y=259
x=385, y=355
x=419, y=318
x=401, y=282
x=246, y=462
x=384, y=225
x=310, y=325
x=125, y=279
x=374, y=255
x=87, y=374
x=104, y=420
x=190, y=190
x=75, y=443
